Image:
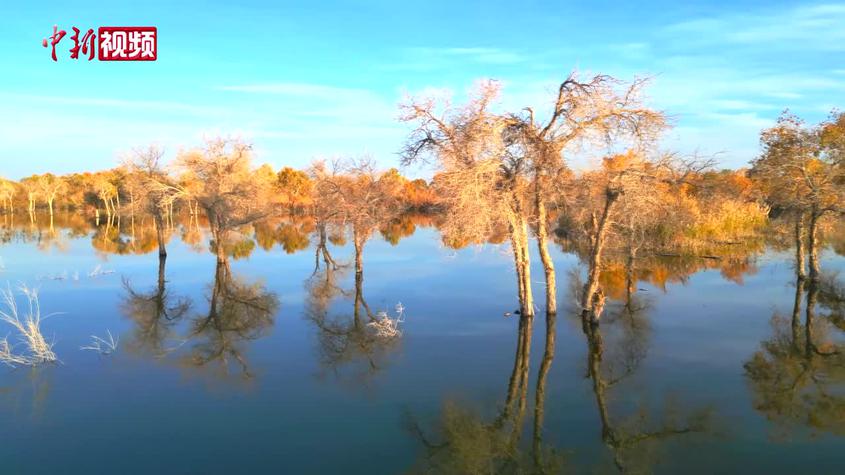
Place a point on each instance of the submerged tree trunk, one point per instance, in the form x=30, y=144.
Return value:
x=357, y=241
x=630, y=276
x=813, y=244
x=518, y=229
x=799, y=246
x=545, y=257
x=159, y=224
x=216, y=228
x=590, y=301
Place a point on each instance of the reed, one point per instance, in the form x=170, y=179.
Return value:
x=37, y=349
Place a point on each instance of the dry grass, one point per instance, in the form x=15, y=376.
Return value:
x=102, y=346
x=28, y=326
x=731, y=220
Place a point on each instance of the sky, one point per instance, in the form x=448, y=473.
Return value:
x=310, y=80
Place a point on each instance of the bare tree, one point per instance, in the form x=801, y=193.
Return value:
x=225, y=188
x=354, y=193
x=155, y=191
x=599, y=110
x=30, y=187
x=7, y=195
x=480, y=178
x=50, y=186
x=620, y=199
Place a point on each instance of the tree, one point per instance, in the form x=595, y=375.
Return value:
x=583, y=113
x=358, y=196
x=295, y=187
x=150, y=188
x=226, y=190
x=800, y=170
x=49, y=187
x=107, y=192
x=7, y=195
x=479, y=178
x=30, y=187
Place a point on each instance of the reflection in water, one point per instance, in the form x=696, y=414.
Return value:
x=28, y=393
x=635, y=440
x=798, y=375
x=344, y=340
x=472, y=445
x=155, y=314
x=237, y=312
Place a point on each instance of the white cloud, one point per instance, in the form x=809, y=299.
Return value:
x=797, y=28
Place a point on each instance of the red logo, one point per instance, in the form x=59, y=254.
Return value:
x=115, y=43
x=127, y=43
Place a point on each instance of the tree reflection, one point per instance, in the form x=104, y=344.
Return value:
x=615, y=352
x=155, y=314
x=472, y=445
x=798, y=375
x=238, y=312
x=344, y=340
x=633, y=441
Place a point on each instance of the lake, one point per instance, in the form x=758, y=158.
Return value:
x=266, y=365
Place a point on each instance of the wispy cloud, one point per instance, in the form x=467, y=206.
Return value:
x=104, y=102
x=432, y=59
x=817, y=26
x=319, y=91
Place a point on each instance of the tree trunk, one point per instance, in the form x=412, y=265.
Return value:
x=526, y=268
x=799, y=246
x=159, y=224
x=518, y=228
x=812, y=243
x=590, y=310
x=357, y=241
x=517, y=262
x=629, y=276
x=545, y=257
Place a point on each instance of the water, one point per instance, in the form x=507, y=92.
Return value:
x=279, y=378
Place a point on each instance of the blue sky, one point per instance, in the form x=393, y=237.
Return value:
x=310, y=80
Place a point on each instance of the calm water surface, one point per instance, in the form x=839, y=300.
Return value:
x=262, y=367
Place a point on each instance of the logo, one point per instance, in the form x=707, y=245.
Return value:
x=113, y=43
